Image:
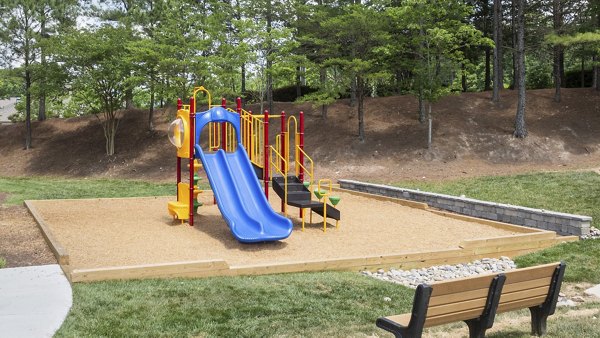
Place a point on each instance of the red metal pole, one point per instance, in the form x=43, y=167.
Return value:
x=179, y=103
x=224, y=127
x=266, y=164
x=238, y=108
x=300, y=154
x=283, y=152
x=192, y=142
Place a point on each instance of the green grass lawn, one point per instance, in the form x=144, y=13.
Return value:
x=329, y=304
x=39, y=188
x=2, y=262
x=337, y=304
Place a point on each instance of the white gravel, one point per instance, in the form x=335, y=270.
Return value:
x=414, y=277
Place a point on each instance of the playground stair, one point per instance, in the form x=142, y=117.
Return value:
x=299, y=196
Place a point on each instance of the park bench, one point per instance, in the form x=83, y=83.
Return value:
x=476, y=300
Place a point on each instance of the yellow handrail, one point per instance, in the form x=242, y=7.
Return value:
x=300, y=165
x=273, y=161
x=324, y=197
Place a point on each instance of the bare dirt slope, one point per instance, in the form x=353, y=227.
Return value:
x=471, y=137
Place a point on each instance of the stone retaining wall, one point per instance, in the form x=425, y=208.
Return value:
x=564, y=224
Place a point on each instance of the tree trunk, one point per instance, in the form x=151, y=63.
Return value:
x=27, y=105
x=498, y=76
x=515, y=65
x=298, y=82
x=42, y=81
x=520, y=127
x=243, y=78
x=353, y=92
x=151, y=111
x=557, y=25
x=463, y=77
x=323, y=81
x=110, y=126
x=556, y=73
x=429, y=129
x=361, y=114
x=487, y=80
x=422, y=116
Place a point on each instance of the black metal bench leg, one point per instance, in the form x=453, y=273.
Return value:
x=477, y=328
x=538, y=320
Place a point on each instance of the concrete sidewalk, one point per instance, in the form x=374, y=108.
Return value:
x=34, y=301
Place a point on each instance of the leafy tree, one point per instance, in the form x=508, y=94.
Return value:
x=436, y=36
x=99, y=73
x=357, y=41
x=24, y=24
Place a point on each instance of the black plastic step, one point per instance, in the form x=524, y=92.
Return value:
x=332, y=212
x=296, y=191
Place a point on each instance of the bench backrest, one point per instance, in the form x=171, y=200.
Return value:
x=533, y=286
x=461, y=299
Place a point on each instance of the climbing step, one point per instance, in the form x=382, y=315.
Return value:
x=299, y=196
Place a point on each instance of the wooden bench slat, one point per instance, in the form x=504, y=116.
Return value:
x=474, y=304
x=524, y=294
x=525, y=285
x=452, y=317
x=461, y=285
x=520, y=304
x=459, y=296
x=525, y=274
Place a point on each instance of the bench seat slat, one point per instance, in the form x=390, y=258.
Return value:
x=402, y=319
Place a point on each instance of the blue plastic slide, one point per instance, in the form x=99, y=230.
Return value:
x=239, y=195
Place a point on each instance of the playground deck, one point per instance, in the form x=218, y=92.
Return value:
x=99, y=239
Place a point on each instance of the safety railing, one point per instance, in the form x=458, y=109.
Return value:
x=299, y=165
x=275, y=163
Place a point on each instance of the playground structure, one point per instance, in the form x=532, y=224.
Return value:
x=238, y=154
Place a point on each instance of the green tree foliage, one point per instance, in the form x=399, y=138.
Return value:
x=24, y=25
x=154, y=51
x=99, y=74
x=435, y=38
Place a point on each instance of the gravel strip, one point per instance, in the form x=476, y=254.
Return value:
x=412, y=278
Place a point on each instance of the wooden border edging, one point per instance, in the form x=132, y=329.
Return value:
x=59, y=251
x=163, y=270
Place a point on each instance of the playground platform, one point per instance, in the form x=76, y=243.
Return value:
x=132, y=238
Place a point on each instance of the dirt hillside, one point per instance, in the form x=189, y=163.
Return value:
x=471, y=137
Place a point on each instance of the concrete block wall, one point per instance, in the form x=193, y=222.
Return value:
x=564, y=224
